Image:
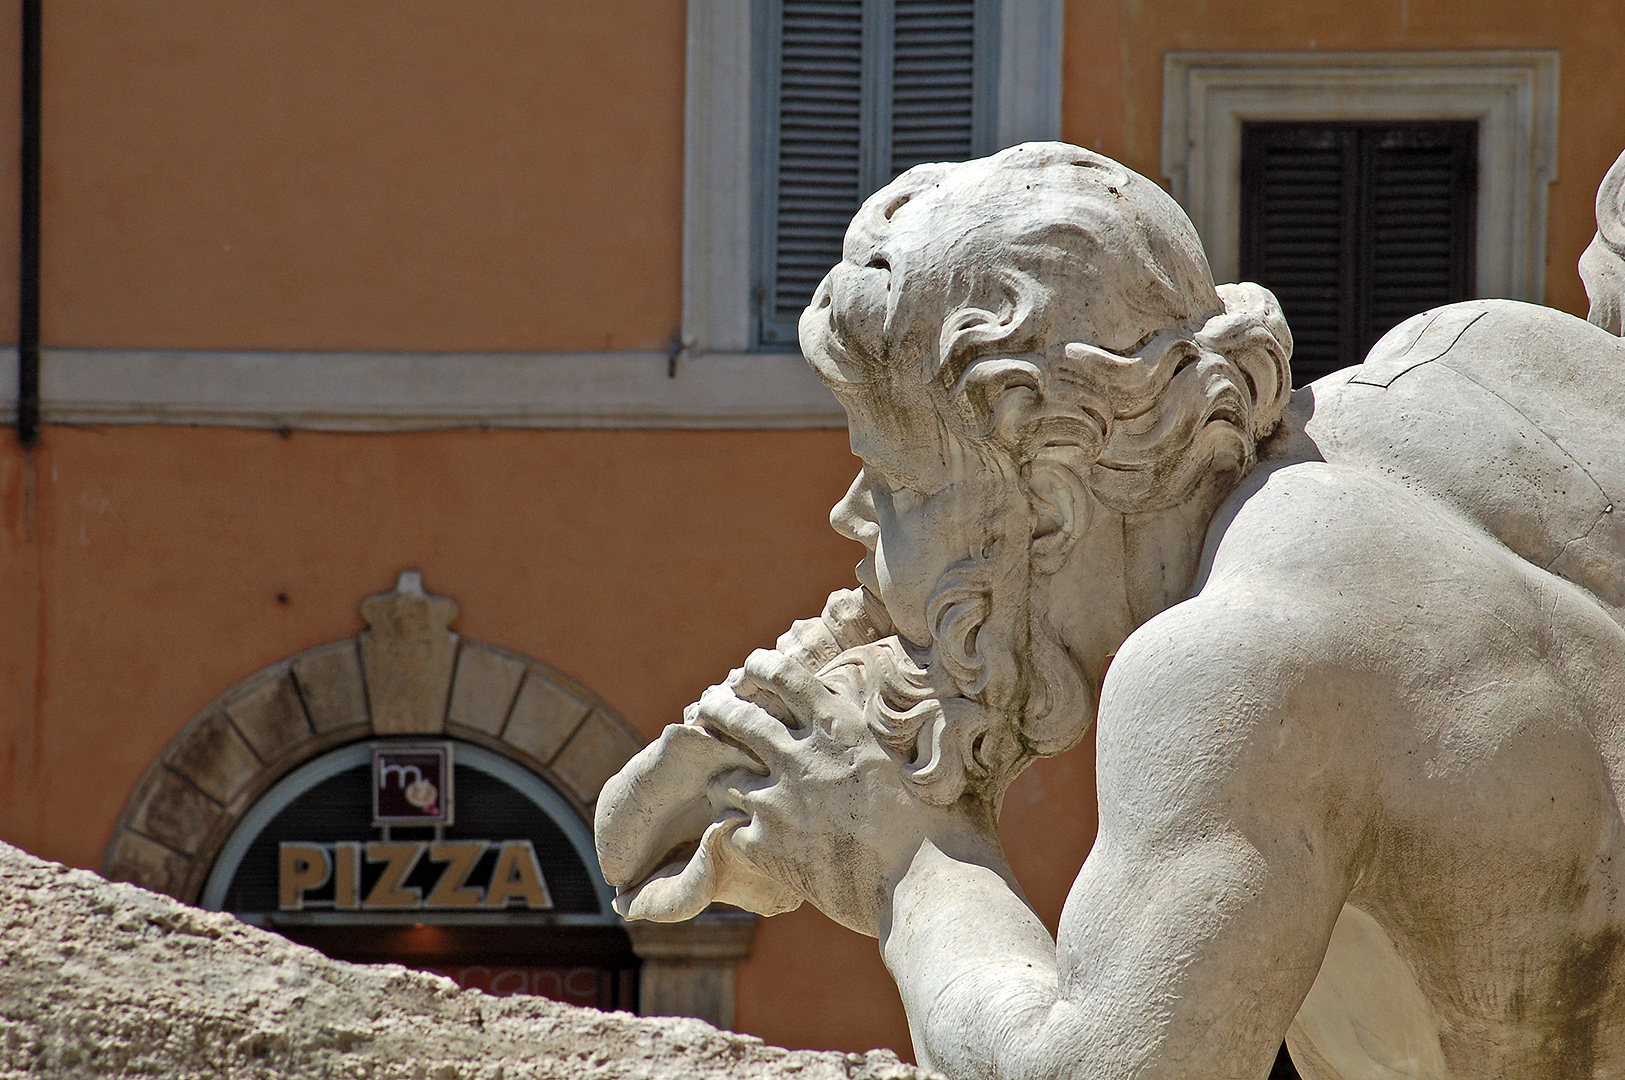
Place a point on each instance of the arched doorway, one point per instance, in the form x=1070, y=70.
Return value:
x=440, y=854
x=410, y=795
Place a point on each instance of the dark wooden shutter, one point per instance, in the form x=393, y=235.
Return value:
x=857, y=92
x=1418, y=187
x=1356, y=227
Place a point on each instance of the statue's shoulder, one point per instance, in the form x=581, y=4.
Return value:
x=1483, y=361
x=1323, y=534
x=1524, y=353
x=1512, y=415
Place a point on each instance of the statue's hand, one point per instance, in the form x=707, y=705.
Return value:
x=826, y=808
x=658, y=834
x=786, y=784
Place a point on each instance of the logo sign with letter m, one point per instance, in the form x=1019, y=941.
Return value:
x=411, y=785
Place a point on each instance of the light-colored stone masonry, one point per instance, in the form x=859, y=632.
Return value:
x=107, y=979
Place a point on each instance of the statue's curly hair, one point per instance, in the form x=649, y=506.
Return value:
x=1602, y=264
x=1075, y=315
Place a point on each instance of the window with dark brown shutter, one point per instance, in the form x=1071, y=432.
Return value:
x=1357, y=226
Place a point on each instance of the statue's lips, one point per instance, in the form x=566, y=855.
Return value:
x=654, y=819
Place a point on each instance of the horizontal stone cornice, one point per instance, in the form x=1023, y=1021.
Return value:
x=348, y=391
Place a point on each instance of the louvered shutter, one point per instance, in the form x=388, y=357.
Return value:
x=1296, y=228
x=819, y=151
x=933, y=82
x=1356, y=227
x=1417, y=198
x=858, y=91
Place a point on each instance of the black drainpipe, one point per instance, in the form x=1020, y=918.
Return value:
x=28, y=402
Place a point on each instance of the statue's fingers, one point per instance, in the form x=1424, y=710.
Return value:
x=768, y=672
x=757, y=731
x=727, y=791
x=684, y=887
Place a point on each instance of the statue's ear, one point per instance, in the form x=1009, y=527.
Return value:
x=1062, y=507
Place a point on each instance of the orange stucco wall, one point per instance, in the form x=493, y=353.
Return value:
x=506, y=175
x=10, y=132
x=374, y=175
x=149, y=563
x=142, y=569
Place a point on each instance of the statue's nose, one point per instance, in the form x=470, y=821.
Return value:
x=854, y=516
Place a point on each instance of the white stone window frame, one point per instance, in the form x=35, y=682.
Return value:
x=1513, y=94
x=718, y=180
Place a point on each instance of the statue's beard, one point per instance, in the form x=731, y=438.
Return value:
x=993, y=646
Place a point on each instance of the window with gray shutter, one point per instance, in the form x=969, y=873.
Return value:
x=1356, y=227
x=857, y=91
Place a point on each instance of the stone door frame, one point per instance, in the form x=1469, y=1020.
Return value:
x=406, y=674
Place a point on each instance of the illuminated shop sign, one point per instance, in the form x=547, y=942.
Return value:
x=412, y=786
x=393, y=829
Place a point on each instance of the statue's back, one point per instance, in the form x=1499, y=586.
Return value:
x=1513, y=416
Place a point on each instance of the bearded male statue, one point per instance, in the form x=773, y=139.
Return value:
x=1355, y=655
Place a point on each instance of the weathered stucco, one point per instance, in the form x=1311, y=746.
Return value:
x=104, y=979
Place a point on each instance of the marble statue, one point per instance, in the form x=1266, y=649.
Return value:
x=1355, y=657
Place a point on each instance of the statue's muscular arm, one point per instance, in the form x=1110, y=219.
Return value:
x=1199, y=920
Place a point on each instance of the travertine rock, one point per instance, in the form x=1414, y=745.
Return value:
x=104, y=979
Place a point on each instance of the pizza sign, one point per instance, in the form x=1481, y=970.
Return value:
x=372, y=832
x=423, y=875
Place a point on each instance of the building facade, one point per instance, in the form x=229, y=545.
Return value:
x=354, y=312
